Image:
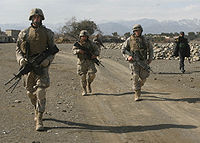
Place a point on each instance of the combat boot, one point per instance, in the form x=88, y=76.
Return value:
x=137, y=95
x=182, y=70
x=84, y=92
x=39, y=123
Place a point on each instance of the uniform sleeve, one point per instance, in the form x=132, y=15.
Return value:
x=96, y=49
x=51, y=43
x=20, y=39
x=150, y=51
x=75, y=50
x=126, y=47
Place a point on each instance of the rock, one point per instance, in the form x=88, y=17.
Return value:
x=59, y=102
x=64, y=110
x=17, y=101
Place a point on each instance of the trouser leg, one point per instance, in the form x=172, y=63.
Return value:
x=182, y=59
x=32, y=97
x=142, y=81
x=137, y=86
x=83, y=84
x=40, y=107
x=33, y=100
x=91, y=77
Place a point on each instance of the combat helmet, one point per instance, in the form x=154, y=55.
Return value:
x=36, y=11
x=137, y=27
x=84, y=33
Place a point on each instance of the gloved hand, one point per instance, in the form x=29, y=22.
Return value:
x=45, y=63
x=23, y=62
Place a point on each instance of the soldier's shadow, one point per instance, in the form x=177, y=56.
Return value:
x=127, y=93
x=173, y=73
x=195, y=72
x=177, y=73
x=113, y=129
x=157, y=98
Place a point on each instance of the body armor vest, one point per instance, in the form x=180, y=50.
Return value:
x=139, y=44
x=88, y=46
x=37, y=39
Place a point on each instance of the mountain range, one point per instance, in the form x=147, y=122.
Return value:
x=152, y=26
x=149, y=25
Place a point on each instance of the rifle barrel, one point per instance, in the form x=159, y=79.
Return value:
x=10, y=80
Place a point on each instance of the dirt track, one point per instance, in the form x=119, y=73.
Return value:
x=168, y=113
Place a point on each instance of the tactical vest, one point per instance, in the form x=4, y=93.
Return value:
x=36, y=39
x=139, y=44
x=87, y=45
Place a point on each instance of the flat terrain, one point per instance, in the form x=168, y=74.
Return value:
x=168, y=113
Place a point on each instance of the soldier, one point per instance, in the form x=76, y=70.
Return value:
x=31, y=42
x=98, y=40
x=85, y=66
x=142, y=50
x=182, y=50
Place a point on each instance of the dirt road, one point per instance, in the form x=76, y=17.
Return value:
x=168, y=113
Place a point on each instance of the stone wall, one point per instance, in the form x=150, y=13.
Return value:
x=165, y=50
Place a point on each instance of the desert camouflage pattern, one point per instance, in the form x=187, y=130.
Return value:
x=36, y=11
x=140, y=43
x=137, y=27
x=39, y=39
x=85, y=65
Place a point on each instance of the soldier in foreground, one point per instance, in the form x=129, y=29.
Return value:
x=182, y=50
x=86, y=52
x=138, y=51
x=32, y=42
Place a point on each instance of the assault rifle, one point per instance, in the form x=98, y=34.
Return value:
x=31, y=65
x=136, y=59
x=89, y=54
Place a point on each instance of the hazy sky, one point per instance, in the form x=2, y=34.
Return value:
x=59, y=11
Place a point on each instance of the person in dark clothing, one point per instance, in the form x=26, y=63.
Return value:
x=182, y=50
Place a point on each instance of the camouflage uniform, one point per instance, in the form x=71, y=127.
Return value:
x=85, y=66
x=33, y=41
x=139, y=75
x=98, y=41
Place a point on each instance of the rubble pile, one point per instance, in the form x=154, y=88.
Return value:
x=164, y=50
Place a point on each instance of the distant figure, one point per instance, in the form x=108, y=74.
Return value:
x=31, y=42
x=182, y=50
x=98, y=41
x=86, y=52
x=138, y=51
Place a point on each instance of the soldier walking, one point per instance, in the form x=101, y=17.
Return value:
x=141, y=51
x=85, y=66
x=182, y=50
x=31, y=42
